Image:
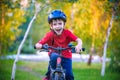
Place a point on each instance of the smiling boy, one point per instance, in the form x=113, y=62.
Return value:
x=60, y=37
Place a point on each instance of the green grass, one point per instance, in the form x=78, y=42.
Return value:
x=27, y=70
x=5, y=69
x=84, y=72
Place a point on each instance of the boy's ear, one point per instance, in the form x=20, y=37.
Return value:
x=51, y=26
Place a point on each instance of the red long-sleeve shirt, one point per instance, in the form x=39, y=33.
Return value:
x=59, y=41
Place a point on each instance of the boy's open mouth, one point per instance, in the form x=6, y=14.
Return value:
x=58, y=30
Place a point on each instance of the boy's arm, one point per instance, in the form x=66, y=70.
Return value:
x=78, y=47
x=44, y=40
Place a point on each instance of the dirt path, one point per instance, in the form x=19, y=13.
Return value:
x=34, y=73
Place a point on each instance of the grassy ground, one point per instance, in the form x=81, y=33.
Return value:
x=84, y=72
x=27, y=70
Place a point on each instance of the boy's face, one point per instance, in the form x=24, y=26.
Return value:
x=58, y=26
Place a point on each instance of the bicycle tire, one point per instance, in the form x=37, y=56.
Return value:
x=56, y=76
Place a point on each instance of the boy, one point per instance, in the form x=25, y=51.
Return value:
x=60, y=37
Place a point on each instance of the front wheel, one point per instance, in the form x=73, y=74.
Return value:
x=54, y=76
x=58, y=76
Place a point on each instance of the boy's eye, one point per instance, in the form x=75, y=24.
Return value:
x=54, y=24
x=59, y=23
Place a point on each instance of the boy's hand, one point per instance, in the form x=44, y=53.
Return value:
x=38, y=46
x=78, y=48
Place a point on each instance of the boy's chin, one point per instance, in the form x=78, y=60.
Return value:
x=59, y=33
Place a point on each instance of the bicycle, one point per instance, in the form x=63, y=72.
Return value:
x=58, y=73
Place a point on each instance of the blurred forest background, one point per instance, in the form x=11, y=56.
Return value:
x=88, y=19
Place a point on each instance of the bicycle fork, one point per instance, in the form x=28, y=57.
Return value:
x=58, y=70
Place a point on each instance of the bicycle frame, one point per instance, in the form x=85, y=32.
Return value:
x=58, y=73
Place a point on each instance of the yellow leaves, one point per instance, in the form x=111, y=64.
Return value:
x=87, y=17
x=12, y=18
x=18, y=13
x=12, y=38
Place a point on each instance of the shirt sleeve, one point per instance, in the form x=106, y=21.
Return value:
x=71, y=36
x=46, y=39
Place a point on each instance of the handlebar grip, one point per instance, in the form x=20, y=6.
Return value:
x=83, y=49
x=73, y=50
x=34, y=47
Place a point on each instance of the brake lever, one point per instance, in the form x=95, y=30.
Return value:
x=45, y=47
x=43, y=50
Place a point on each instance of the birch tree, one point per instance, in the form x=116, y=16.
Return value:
x=37, y=8
x=107, y=38
x=105, y=46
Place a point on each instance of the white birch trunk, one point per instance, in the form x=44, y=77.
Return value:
x=105, y=47
x=20, y=47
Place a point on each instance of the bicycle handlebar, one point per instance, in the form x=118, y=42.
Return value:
x=46, y=47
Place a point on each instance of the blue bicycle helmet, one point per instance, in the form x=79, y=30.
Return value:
x=56, y=14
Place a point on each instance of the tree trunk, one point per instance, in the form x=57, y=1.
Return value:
x=20, y=47
x=105, y=46
x=92, y=51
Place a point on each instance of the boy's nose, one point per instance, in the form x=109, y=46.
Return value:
x=57, y=25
